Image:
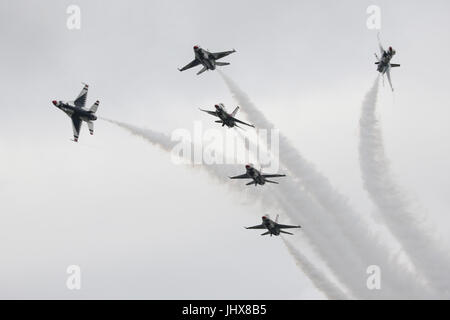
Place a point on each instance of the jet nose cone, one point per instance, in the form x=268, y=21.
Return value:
x=195, y=47
x=55, y=102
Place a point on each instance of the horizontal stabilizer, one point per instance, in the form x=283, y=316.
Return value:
x=395, y=65
x=219, y=63
x=265, y=233
x=250, y=183
x=270, y=181
x=281, y=231
x=202, y=70
x=91, y=127
x=239, y=127
x=94, y=107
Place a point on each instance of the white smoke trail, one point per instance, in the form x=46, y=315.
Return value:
x=337, y=212
x=332, y=291
x=156, y=138
x=323, y=236
x=418, y=242
x=220, y=171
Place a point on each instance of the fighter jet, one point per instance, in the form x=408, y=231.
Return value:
x=273, y=226
x=207, y=59
x=75, y=110
x=257, y=176
x=384, y=64
x=226, y=119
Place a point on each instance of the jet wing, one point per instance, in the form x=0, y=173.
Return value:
x=76, y=126
x=239, y=121
x=379, y=45
x=218, y=55
x=191, y=64
x=286, y=226
x=80, y=101
x=388, y=75
x=273, y=175
x=242, y=176
x=259, y=226
x=213, y=113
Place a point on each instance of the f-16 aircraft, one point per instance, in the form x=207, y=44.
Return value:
x=257, y=176
x=207, y=59
x=384, y=64
x=226, y=119
x=75, y=110
x=273, y=227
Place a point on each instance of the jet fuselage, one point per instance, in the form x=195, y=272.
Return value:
x=271, y=226
x=385, y=60
x=255, y=175
x=225, y=117
x=205, y=58
x=70, y=110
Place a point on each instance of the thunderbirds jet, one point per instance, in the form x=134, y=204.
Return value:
x=257, y=176
x=226, y=119
x=273, y=226
x=207, y=59
x=384, y=64
x=75, y=110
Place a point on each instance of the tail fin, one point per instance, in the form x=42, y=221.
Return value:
x=91, y=127
x=94, y=107
x=235, y=111
x=276, y=219
x=222, y=63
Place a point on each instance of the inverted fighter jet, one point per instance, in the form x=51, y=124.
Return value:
x=273, y=226
x=207, y=59
x=257, y=176
x=384, y=64
x=76, y=111
x=226, y=119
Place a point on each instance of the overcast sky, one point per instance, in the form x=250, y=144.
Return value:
x=140, y=226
